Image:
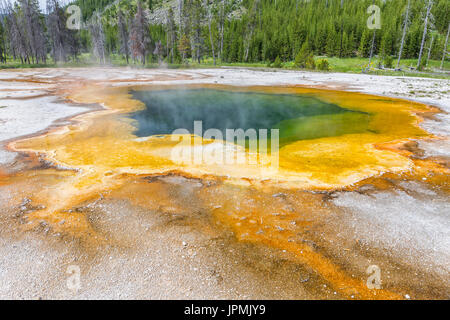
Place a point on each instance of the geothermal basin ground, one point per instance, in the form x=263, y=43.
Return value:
x=92, y=207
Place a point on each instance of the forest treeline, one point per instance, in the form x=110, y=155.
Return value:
x=224, y=30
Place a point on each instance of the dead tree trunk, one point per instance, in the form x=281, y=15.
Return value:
x=429, y=49
x=211, y=35
x=221, y=29
x=444, y=54
x=372, y=46
x=371, y=49
x=405, y=28
x=430, y=4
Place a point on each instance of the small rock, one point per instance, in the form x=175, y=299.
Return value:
x=279, y=195
x=25, y=201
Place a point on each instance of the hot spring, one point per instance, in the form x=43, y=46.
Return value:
x=298, y=117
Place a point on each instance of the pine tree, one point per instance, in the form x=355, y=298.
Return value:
x=387, y=43
x=332, y=43
x=124, y=37
x=364, y=45
x=226, y=30
x=171, y=35
x=183, y=47
x=303, y=55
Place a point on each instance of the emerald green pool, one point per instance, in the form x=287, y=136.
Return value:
x=298, y=117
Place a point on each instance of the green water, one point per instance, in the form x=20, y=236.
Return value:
x=297, y=117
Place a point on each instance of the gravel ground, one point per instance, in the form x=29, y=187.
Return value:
x=150, y=255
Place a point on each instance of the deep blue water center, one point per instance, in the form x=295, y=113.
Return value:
x=297, y=117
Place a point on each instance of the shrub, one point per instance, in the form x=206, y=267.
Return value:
x=277, y=63
x=423, y=64
x=388, y=61
x=323, y=65
x=303, y=55
x=310, y=63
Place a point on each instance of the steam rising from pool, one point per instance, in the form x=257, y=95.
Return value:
x=298, y=117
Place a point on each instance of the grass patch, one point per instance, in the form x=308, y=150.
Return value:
x=345, y=65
